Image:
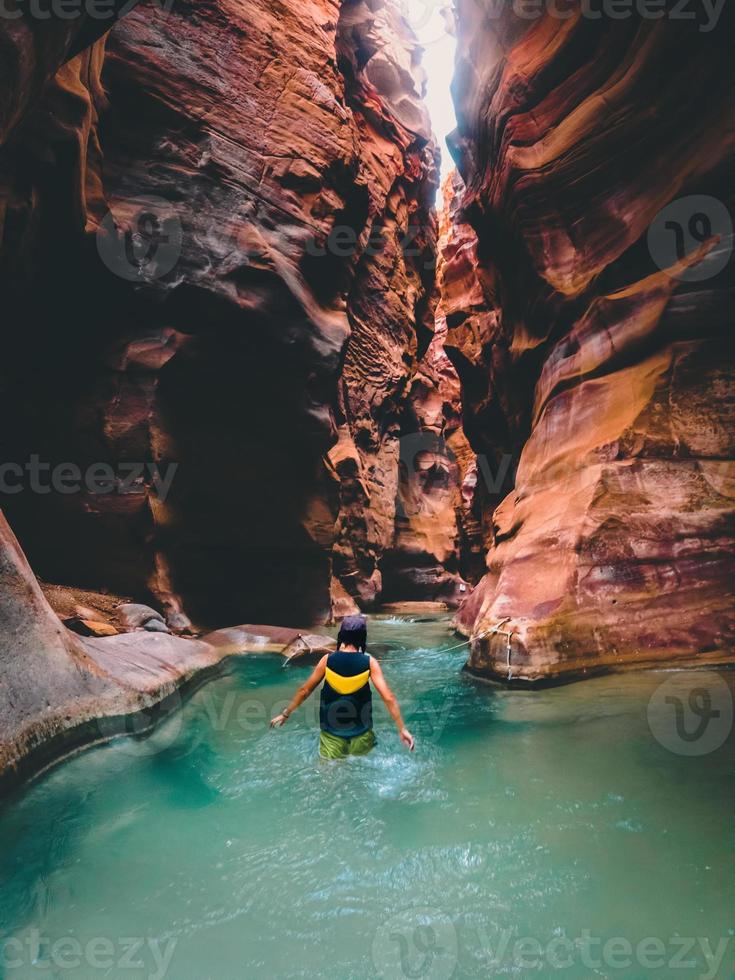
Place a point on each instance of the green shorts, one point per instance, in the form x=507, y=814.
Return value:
x=336, y=747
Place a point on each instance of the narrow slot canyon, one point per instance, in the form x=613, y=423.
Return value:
x=382, y=345
x=253, y=373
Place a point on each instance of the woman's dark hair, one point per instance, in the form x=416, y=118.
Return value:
x=353, y=631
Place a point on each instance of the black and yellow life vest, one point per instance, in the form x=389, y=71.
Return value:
x=346, y=707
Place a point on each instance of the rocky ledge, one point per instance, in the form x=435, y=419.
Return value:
x=60, y=691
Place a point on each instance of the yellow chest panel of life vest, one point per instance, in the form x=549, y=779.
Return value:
x=346, y=685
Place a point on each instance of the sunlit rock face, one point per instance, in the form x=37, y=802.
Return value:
x=219, y=223
x=590, y=338
x=398, y=536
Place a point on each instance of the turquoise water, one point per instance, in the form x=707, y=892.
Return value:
x=531, y=834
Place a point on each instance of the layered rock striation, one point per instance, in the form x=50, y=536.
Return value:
x=588, y=282
x=391, y=309
x=219, y=222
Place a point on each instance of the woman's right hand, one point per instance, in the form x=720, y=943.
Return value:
x=408, y=740
x=279, y=720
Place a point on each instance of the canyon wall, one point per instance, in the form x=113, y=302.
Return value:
x=218, y=244
x=388, y=546
x=588, y=283
x=35, y=41
x=45, y=675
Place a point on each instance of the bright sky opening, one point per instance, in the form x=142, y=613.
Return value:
x=428, y=18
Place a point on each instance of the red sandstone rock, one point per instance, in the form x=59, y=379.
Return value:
x=391, y=313
x=260, y=138
x=436, y=533
x=45, y=674
x=154, y=664
x=59, y=690
x=90, y=627
x=614, y=375
x=234, y=339
x=33, y=48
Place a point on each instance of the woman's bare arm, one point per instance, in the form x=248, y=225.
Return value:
x=306, y=689
x=391, y=703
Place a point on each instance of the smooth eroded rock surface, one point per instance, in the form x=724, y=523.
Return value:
x=45, y=675
x=592, y=355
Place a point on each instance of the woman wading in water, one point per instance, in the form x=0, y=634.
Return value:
x=346, y=710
